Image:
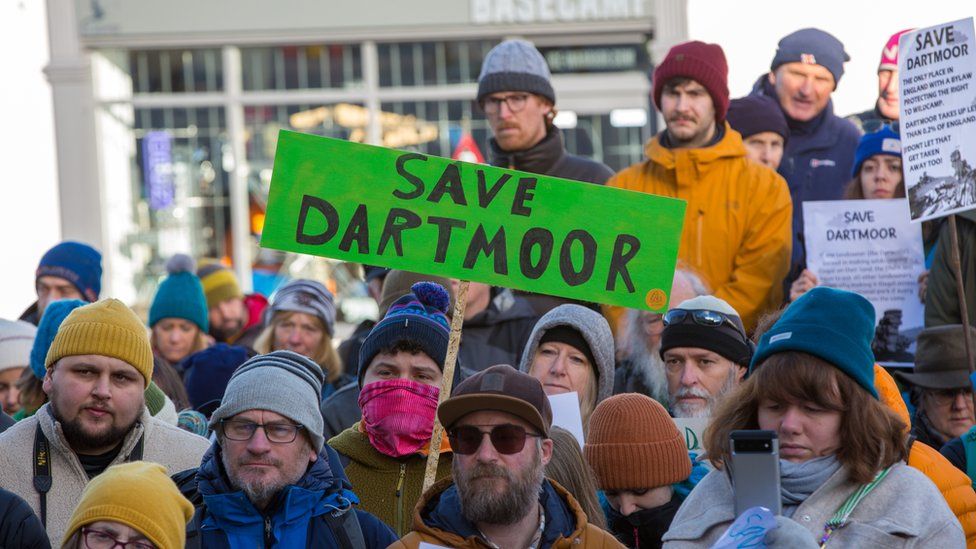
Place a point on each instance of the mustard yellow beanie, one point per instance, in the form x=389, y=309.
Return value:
x=106, y=328
x=139, y=495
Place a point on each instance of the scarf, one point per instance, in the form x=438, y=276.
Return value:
x=799, y=480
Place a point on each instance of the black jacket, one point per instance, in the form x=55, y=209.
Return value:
x=941, y=297
x=549, y=157
x=19, y=526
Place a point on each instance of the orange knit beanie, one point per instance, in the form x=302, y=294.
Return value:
x=633, y=443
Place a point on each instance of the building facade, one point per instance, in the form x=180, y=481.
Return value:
x=167, y=113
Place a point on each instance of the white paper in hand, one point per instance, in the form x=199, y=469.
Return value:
x=566, y=414
x=425, y=545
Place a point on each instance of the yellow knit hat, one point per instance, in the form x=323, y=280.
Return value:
x=219, y=283
x=106, y=328
x=140, y=495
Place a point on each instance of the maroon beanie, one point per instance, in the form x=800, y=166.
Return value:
x=701, y=62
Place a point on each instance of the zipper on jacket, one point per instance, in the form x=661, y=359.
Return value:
x=399, y=499
x=268, y=539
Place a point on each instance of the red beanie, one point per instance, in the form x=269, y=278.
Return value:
x=701, y=62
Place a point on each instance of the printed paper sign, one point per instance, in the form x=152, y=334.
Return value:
x=692, y=430
x=938, y=118
x=872, y=248
x=566, y=414
x=410, y=211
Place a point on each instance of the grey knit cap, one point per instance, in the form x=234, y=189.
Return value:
x=595, y=331
x=515, y=65
x=304, y=296
x=283, y=382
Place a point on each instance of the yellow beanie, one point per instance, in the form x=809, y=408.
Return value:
x=139, y=495
x=106, y=328
x=219, y=283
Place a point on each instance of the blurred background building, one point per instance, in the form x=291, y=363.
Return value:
x=166, y=113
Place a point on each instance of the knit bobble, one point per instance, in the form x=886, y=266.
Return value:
x=432, y=295
x=180, y=263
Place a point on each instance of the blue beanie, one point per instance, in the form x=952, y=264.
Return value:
x=47, y=328
x=419, y=317
x=835, y=325
x=883, y=141
x=207, y=372
x=180, y=295
x=812, y=47
x=78, y=263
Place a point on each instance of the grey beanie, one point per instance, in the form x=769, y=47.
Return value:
x=515, y=65
x=304, y=296
x=283, y=382
x=595, y=331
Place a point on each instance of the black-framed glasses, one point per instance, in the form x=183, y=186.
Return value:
x=516, y=102
x=278, y=433
x=97, y=539
x=875, y=124
x=506, y=438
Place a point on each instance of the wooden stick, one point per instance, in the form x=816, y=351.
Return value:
x=956, y=263
x=460, y=303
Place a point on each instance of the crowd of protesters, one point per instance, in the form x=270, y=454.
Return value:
x=233, y=420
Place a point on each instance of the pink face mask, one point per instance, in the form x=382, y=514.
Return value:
x=398, y=415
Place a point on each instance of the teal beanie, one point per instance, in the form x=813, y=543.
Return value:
x=834, y=325
x=180, y=295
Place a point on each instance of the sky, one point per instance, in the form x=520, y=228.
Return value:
x=748, y=31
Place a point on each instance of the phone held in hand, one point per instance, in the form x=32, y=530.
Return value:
x=755, y=470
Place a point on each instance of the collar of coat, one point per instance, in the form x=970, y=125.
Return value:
x=540, y=158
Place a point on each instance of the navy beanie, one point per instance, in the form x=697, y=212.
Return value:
x=812, y=47
x=78, y=263
x=207, y=372
x=180, y=295
x=757, y=114
x=883, y=141
x=834, y=325
x=419, y=317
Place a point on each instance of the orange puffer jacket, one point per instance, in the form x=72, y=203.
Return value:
x=955, y=486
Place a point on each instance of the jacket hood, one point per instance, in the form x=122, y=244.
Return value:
x=595, y=331
x=438, y=514
x=730, y=146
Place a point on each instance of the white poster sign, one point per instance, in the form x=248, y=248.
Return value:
x=938, y=118
x=566, y=414
x=871, y=247
x=692, y=430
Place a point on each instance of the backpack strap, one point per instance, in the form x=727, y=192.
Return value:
x=345, y=527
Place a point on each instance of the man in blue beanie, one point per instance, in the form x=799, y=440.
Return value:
x=819, y=153
x=69, y=270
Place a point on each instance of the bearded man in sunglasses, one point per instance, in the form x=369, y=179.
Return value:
x=498, y=423
x=706, y=354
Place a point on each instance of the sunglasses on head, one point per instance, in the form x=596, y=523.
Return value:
x=871, y=126
x=507, y=438
x=710, y=319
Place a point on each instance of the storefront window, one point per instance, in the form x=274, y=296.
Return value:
x=302, y=67
x=176, y=71
x=414, y=64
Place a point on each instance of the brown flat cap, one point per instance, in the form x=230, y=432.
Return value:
x=501, y=388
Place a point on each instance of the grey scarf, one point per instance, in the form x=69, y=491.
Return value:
x=799, y=480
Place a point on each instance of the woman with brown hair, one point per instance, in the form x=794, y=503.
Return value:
x=570, y=471
x=301, y=318
x=843, y=479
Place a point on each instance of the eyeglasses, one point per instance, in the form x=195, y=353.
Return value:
x=507, y=439
x=278, y=433
x=516, y=102
x=97, y=539
x=945, y=397
x=875, y=124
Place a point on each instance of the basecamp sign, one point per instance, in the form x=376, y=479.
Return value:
x=410, y=211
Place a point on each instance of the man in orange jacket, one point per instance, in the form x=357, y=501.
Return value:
x=737, y=222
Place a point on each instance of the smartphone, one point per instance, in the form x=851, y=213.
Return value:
x=755, y=470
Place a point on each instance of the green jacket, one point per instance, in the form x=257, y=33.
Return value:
x=941, y=297
x=388, y=488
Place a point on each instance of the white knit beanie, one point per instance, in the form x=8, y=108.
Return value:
x=16, y=340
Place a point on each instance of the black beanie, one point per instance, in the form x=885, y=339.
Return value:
x=572, y=337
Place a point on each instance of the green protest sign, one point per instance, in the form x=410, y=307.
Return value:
x=410, y=211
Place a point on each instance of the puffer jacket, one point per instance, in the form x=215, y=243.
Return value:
x=954, y=485
x=737, y=223
x=437, y=520
x=19, y=526
x=296, y=518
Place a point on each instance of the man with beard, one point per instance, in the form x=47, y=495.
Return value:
x=235, y=318
x=705, y=352
x=98, y=367
x=737, y=221
x=269, y=480
x=640, y=368
x=498, y=423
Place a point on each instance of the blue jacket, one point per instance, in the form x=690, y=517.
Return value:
x=297, y=518
x=817, y=164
